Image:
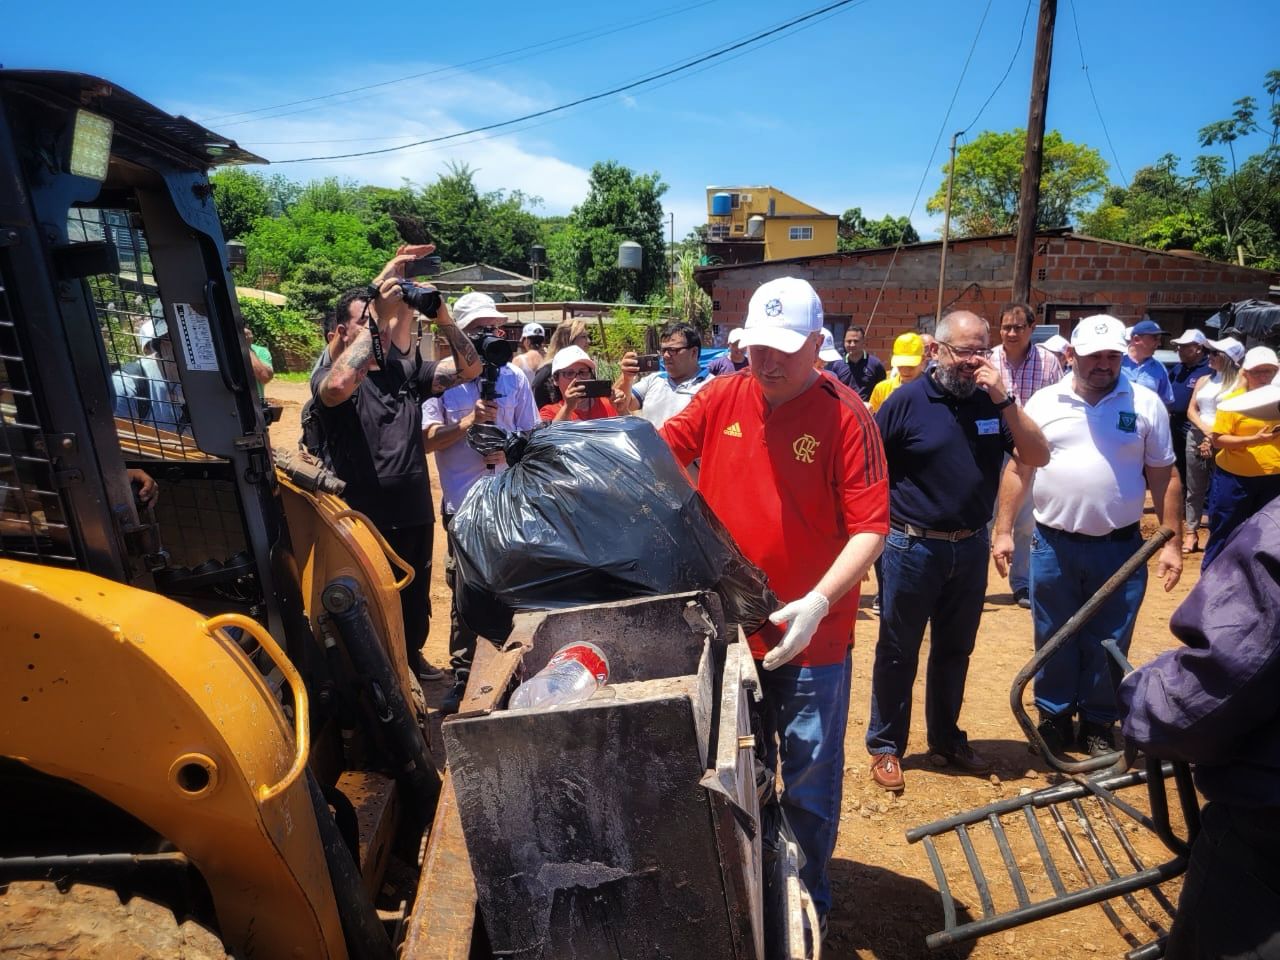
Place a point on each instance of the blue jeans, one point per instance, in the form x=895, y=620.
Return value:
x=1233, y=499
x=803, y=715
x=933, y=582
x=1065, y=573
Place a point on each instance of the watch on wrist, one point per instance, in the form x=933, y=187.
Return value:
x=1008, y=401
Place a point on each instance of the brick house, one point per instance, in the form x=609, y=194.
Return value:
x=1072, y=276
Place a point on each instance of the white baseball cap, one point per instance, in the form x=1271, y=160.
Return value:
x=1261, y=404
x=735, y=335
x=1098, y=333
x=1056, y=344
x=568, y=357
x=828, y=351
x=532, y=330
x=1259, y=357
x=1232, y=347
x=471, y=307
x=1191, y=336
x=782, y=313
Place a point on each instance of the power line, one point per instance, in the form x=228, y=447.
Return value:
x=1089, y=81
x=518, y=53
x=1026, y=14
x=681, y=68
x=929, y=164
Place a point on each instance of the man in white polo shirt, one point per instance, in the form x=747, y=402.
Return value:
x=1109, y=444
x=445, y=422
x=660, y=396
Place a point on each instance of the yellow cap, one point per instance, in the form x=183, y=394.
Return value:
x=908, y=350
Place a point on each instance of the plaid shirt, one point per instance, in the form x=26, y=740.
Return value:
x=1039, y=368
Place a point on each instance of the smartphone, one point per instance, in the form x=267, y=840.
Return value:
x=422, y=267
x=597, y=388
x=649, y=362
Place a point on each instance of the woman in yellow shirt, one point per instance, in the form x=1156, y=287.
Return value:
x=907, y=364
x=1248, y=459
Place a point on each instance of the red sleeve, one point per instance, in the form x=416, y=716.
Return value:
x=603, y=408
x=549, y=411
x=685, y=431
x=864, y=476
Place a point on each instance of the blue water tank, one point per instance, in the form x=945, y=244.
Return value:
x=721, y=205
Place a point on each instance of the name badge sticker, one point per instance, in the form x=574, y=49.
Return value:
x=987, y=428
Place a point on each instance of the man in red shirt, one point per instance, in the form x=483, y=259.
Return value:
x=793, y=467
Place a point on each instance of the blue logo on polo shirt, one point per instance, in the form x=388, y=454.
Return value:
x=1127, y=422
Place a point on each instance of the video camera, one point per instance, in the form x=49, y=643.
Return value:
x=496, y=353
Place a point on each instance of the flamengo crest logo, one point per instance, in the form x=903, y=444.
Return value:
x=804, y=448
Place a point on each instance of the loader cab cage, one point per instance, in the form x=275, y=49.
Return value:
x=120, y=347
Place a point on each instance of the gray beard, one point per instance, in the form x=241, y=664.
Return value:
x=953, y=384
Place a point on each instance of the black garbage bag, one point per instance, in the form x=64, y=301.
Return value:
x=594, y=511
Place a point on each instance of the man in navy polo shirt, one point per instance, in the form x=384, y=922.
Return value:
x=864, y=369
x=945, y=438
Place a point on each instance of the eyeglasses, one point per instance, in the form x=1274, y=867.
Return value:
x=579, y=374
x=671, y=351
x=962, y=354
x=1014, y=328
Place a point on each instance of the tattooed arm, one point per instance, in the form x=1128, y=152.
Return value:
x=465, y=362
x=346, y=372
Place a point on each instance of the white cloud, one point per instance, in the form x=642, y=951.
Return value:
x=396, y=115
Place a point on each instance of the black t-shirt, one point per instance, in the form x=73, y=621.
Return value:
x=944, y=454
x=375, y=440
x=541, y=386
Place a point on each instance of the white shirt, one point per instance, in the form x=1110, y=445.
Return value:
x=661, y=400
x=458, y=466
x=1094, y=482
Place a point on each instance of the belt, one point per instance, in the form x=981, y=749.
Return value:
x=1124, y=533
x=911, y=530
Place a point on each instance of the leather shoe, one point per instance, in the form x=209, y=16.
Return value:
x=886, y=770
x=1058, y=732
x=963, y=757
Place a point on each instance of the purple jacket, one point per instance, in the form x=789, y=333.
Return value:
x=1216, y=701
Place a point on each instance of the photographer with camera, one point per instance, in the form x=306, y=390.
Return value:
x=501, y=396
x=368, y=389
x=584, y=397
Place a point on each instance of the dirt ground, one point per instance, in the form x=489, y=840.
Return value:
x=885, y=896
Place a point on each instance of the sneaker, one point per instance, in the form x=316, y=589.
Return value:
x=1098, y=738
x=430, y=674
x=962, y=757
x=453, y=699
x=886, y=770
x=875, y=604
x=1058, y=732
x=1022, y=598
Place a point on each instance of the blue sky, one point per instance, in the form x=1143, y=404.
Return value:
x=841, y=113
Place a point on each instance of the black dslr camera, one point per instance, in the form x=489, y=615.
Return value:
x=496, y=353
x=426, y=302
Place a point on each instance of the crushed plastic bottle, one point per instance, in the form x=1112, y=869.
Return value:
x=573, y=674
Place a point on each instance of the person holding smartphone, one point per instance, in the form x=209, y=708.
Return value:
x=582, y=397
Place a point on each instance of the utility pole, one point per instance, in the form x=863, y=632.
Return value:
x=946, y=229
x=1033, y=158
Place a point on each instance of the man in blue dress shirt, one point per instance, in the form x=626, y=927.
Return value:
x=1141, y=366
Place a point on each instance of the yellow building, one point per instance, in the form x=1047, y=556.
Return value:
x=750, y=224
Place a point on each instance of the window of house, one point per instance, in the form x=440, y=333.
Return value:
x=801, y=233
x=718, y=231
x=735, y=201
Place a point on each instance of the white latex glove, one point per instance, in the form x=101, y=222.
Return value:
x=803, y=615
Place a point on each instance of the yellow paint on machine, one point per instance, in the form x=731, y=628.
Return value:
x=140, y=700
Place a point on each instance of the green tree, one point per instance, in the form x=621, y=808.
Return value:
x=693, y=305
x=241, y=198
x=620, y=205
x=473, y=227
x=1240, y=196
x=856, y=232
x=989, y=171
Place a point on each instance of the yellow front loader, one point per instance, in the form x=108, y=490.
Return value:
x=211, y=744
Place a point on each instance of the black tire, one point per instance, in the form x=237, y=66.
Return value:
x=91, y=923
